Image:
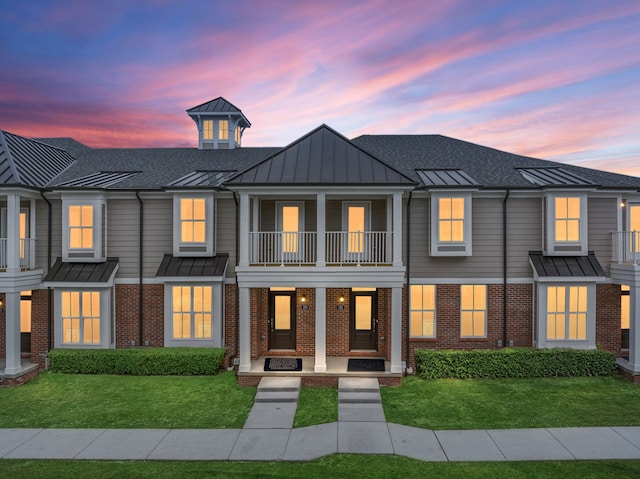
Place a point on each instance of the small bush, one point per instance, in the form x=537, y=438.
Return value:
x=514, y=363
x=139, y=362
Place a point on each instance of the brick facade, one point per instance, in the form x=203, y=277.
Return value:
x=608, y=334
x=127, y=309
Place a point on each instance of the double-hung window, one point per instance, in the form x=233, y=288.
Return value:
x=473, y=311
x=422, y=314
x=82, y=231
x=80, y=317
x=566, y=224
x=81, y=226
x=192, y=312
x=193, y=225
x=207, y=130
x=567, y=308
x=451, y=224
x=223, y=130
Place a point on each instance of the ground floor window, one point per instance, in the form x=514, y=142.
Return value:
x=567, y=312
x=192, y=312
x=422, y=314
x=473, y=311
x=81, y=318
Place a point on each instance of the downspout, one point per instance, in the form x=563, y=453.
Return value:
x=406, y=303
x=504, y=269
x=237, y=295
x=49, y=256
x=140, y=266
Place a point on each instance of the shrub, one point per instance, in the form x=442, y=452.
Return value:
x=139, y=362
x=514, y=363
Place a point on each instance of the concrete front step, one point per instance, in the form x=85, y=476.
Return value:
x=280, y=383
x=358, y=384
x=277, y=396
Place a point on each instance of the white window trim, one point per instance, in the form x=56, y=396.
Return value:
x=566, y=248
x=435, y=313
x=217, y=311
x=486, y=311
x=95, y=254
x=451, y=248
x=543, y=342
x=194, y=249
x=105, y=319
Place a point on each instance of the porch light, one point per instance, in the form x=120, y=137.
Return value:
x=303, y=299
x=341, y=299
x=622, y=205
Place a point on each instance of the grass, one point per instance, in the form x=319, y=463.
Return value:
x=104, y=401
x=336, y=466
x=513, y=403
x=316, y=406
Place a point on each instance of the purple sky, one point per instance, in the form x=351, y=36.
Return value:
x=553, y=79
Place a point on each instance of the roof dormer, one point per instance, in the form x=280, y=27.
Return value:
x=220, y=124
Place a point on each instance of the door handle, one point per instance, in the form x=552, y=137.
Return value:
x=271, y=323
x=375, y=324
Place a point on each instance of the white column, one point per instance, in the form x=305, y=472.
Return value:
x=255, y=225
x=396, y=330
x=13, y=232
x=321, y=229
x=244, y=230
x=634, y=327
x=245, y=330
x=12, y=339
x=397, y=229
x=389, y=251
x=32, y=235
x=321, y=331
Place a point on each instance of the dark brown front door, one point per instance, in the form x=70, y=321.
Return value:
x=282, y=320
x=363, y=321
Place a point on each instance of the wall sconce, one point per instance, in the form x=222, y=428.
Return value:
x=341, y=299
x=622, y=205
x=1, y=306
x=303, y=299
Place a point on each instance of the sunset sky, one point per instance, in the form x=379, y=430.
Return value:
x=553, y=79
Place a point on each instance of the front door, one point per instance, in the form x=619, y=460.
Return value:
x=363, y=321
x=282, y=320
x=25, y=322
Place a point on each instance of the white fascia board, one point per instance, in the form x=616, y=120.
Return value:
x=278, y=190
x=571, y=279
x=20, y=281
x=387, y=277
x=190, y=279
x=23, y=192
x=497, y=280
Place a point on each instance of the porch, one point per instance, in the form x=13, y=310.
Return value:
x=336, y=368
x=28, y=372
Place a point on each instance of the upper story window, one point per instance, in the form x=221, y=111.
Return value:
x=82, y=231
x=207, y=130
x=451, y=224
x=223, y=130
x=238, y=134
x=566, y=224
x=193, y=225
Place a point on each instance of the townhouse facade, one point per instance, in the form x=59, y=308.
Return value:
x=326, y=249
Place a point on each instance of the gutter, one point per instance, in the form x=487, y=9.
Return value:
x=504, y=268
x=140, y=267
x=49, y=256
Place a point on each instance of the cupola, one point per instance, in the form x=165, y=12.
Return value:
x=220, y=124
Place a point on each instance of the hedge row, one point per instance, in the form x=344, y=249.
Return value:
x=513, y=363
x=139, y=362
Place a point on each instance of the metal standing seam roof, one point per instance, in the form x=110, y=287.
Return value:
x=217, y=105
x=553, y=177
x=193, y=266
x=29, y=162
x=68, y=272
x=322, y=157
x=566, y=266
x=446, y=177
x=212, y=178
x=102, y=179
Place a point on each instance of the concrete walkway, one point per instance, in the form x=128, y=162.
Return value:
x=361, y=429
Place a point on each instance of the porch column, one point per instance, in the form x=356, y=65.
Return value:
x=245, y=330
x=396, y=330
x=634, y=327
x=397, y=229
x=13, y=233
x=255, y=226
x=321, y=331
x=12, y=340
x=244, y=230
x=321, y=228
x=31, y=233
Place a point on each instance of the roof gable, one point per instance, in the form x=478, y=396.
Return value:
x=29, y=162
x=321, y=157
x=218, y=107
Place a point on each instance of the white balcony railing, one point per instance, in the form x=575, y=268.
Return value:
x=625, y=247
x=341, y=247
x=27, y=250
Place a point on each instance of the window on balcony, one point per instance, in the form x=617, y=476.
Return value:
x=422, y=314
x=473, y=311
x=451, y=224
x=193, y=225
x=290, y=242
x=566, y=224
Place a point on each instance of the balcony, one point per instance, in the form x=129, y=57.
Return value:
x=27, y=254
x=625, y=247
x=338, y=248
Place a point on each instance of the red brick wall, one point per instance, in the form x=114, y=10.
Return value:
x=40, y=325
x=608, y=317
x=3, y=326
x=230, y=322
x=128, y=320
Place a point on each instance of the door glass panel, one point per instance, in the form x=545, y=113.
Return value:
x=290, y=228
x=625, y=311
x=356, y=226
x=25, y=316
x=363, y=313
x=283, y=312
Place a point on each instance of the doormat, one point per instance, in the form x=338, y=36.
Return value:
x=359, y=364
x=283, y=364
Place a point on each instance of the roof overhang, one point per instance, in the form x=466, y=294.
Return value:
x=66, y=274
x=573, y=269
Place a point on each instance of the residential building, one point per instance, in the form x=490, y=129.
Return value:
x=326, y=249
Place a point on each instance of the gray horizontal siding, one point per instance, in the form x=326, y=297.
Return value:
x=524, y=234
x=226, y=231
x=602, y=221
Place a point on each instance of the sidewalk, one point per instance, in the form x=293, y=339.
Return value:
x=268, y=435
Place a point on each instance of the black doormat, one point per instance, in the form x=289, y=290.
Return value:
x=358, y=364
x=283, y=364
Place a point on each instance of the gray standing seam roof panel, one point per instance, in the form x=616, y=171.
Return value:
x=67, y=272
x=446, y=177
x=102, y=179
x=566, y=266
x=192, y=266
x=553, y=176
x=216, y=105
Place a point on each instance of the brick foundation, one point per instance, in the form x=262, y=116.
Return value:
x=19, y=380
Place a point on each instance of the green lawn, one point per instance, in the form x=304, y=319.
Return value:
x=316, y=406
x=513, y=403
x=104, y=401
x=336, y=466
